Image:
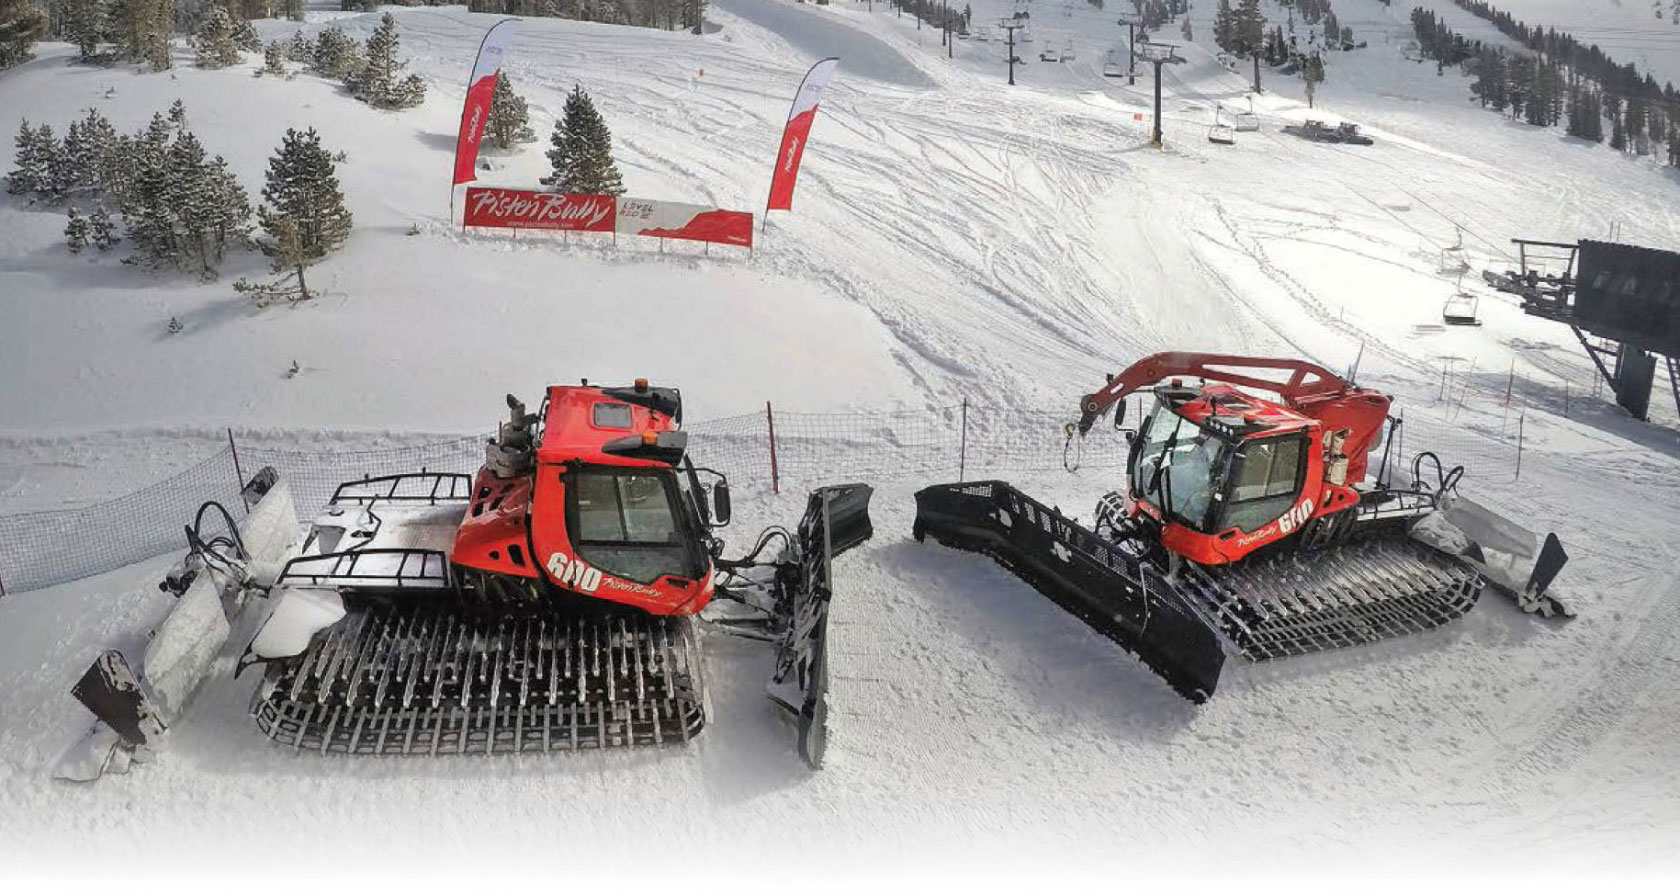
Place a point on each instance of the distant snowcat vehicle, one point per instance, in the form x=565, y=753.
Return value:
x=1250, y=526
x=1320, y=132
x=547, y=602
x=1347, y=132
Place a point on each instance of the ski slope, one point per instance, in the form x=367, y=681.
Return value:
x=950, y=239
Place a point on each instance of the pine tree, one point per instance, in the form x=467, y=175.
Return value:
x=1250, y=34
x=22, y=22
x=27, y=166
x=1633, y=124
x=274, y=60
x=1574, y=126
x=245, y=36
x=146, y=217
x=100, y=228
x=298, y=49
x=509, y=122
x=376, y=82
x=145, y=27
x=581, y=157
x=214, y=40
x=1312, y=74
x=78, y=161
x=76, y=232
x=693, y=14
x=1618, y=136
x=1224, y=27
x=303, y=189
x=335, y=54
x=100, y=140
x=304, y=217
x=49, y=157
x=177, y=117
x=409, y=93
x=85, y=25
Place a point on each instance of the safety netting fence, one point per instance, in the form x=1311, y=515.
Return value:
x=763, y=451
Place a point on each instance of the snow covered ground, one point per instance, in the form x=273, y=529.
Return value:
x=950, y=239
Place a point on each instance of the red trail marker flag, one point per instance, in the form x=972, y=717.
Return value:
x=481, y=86
x=804, y=112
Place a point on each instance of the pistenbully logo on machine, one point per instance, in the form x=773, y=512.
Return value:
x=1288, y=522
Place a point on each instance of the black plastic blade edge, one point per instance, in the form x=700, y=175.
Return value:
x=1123, y=599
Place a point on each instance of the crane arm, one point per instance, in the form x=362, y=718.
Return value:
x=1304, y=378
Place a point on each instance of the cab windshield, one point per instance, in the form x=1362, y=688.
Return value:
x=625, y=522
x=1189, y=459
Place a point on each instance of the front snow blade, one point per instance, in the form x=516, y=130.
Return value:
x=109, y=689
x=1119, y=596
x=836, y=519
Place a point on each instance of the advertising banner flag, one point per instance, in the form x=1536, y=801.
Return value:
x=480, y=87
x=529, y=209
x=674, y=220
x=800, y=117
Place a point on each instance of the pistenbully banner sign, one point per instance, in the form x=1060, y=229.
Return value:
x=529, y=209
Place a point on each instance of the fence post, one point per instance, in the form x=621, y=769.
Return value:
x=1520, y=419
x=775, y=473
x=962, y=455
x=1510, y=379
x=238, y=473
x=1566, y=398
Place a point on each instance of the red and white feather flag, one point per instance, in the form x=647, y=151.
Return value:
x=800, y=117
x=481, y=86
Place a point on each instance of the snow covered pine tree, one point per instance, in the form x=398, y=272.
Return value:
x=274, y=60
x=581, y=159
x=376, y=83
x=214, y=40
x=21, y=22
x=304, y=216
x=100, y=228
x=76, y=232
x=509, y=121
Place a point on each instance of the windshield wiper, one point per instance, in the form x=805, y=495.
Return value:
x=1162, y=479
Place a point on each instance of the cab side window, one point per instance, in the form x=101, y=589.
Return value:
x=1265, y=480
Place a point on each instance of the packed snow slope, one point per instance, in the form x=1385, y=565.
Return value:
x=951, y=238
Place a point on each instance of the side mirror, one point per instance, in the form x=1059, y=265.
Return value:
x=720, y=503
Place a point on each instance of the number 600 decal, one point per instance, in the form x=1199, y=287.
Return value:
x=574, y=573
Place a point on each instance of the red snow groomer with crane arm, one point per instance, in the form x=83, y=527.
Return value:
x=1251, y=526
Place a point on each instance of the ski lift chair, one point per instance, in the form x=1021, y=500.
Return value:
x=1116, y=65
x=1247, y=122
x=1460, y=310
x=1049, y=54
x=1222, y=134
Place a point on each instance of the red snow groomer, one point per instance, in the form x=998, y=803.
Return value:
x=1251, y=526
x=547, y=602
